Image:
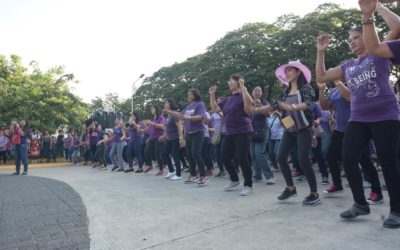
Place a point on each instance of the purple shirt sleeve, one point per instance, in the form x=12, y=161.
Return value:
x=394, y=47
x=317, y=111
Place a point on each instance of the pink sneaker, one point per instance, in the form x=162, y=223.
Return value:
x=374, y=198
x=202, y=180
x=147, y=169
x=160, y=173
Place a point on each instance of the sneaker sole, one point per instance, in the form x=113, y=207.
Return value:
x=292, y=196
x=375, y=202
x=313, y=204
x=231, y=188
x=327, y=194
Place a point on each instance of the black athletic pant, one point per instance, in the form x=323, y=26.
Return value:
x=386, y=138
x=237, y=147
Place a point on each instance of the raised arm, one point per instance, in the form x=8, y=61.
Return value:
x=213, y=102
x=247, y=99
x=392, y=20
x=322, y=74
x=371, y=39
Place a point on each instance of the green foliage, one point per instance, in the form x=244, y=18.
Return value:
x=42, y=98
x=255, y=51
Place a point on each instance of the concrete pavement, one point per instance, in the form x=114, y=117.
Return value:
x=141, y=211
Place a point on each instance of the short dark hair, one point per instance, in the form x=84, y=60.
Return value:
x=172, y=104
x=236, y=77
x=196, y=94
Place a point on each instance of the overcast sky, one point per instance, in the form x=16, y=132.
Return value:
x=108, y=44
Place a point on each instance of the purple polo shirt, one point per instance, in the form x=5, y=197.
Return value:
x=154, y=132
x=237, y=121
x=192, y=109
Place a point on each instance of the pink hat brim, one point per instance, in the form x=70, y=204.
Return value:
x=280, y=71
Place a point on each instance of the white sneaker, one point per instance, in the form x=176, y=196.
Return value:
x=169, y=175
x=271, y=181
x=175, y=178
x=232, y=185
x=246, y=191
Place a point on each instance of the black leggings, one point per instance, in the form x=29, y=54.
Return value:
x=205, y=153
x=386, y=138
x=303, y=139
x=101, y=154
x=3, y=155
x=194, y=145
x=93, y=149
x=154, y=150
x=172, y=147
x=334, y=155
x=237, y=147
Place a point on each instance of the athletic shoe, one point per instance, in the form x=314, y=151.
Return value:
x=375, y=198
x=24, y=173
x=16, y=173
x=300, y=178
x=366, y=184
x=191, y=179
x=95, y=165
x=393, y=221
x=209, y=172
x=271, y=181
x=325, y=180
x=128, y=170
x=311, y=200
x=355, y=211
x=202, y=180
x=333, y=189
x=231, y=186
x=170, y=174
x=120, y=170
x=160, y=173
x=140, y=170
x=220, y=174
x=246, y=191
x=114, y=168
x=147, y=169
x=176, y=178
x=287, y=193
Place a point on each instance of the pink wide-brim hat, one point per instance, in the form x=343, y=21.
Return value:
x=280, y=71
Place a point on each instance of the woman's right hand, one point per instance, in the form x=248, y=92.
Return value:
x=323, y=43
x=212, y=90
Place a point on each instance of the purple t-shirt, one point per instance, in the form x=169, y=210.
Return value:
x=259, y=121
x=237, y=121
x=342, y=109
x=3, y=140
x=117, y=131
x=154, y=132
x=171, y=129
x=372, y=99
x=192, y=109
x=69, y=142
x=93, y=139
x=134, y=134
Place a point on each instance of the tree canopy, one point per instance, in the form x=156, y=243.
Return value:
x=255, y=50
x=42, y=98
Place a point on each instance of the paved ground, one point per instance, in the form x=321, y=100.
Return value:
x=40, y=213
x=138, y=211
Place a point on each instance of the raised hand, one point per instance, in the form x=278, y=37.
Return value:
x=212, y=90
x=323, y=42
x=241, y=83
x=368, y=7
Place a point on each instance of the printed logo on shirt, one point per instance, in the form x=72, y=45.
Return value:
x=363, y=75
x=190, y=112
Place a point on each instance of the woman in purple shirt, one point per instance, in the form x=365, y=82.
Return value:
x=374, y=108
x=118, y=144
x=154, y=146
x=135, y=136
x=173, y=142
x=193, y=116
x=236, y=143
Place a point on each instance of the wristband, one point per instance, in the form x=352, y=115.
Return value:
x=369, y=20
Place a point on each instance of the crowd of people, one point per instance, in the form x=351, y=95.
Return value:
x=353, y=124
